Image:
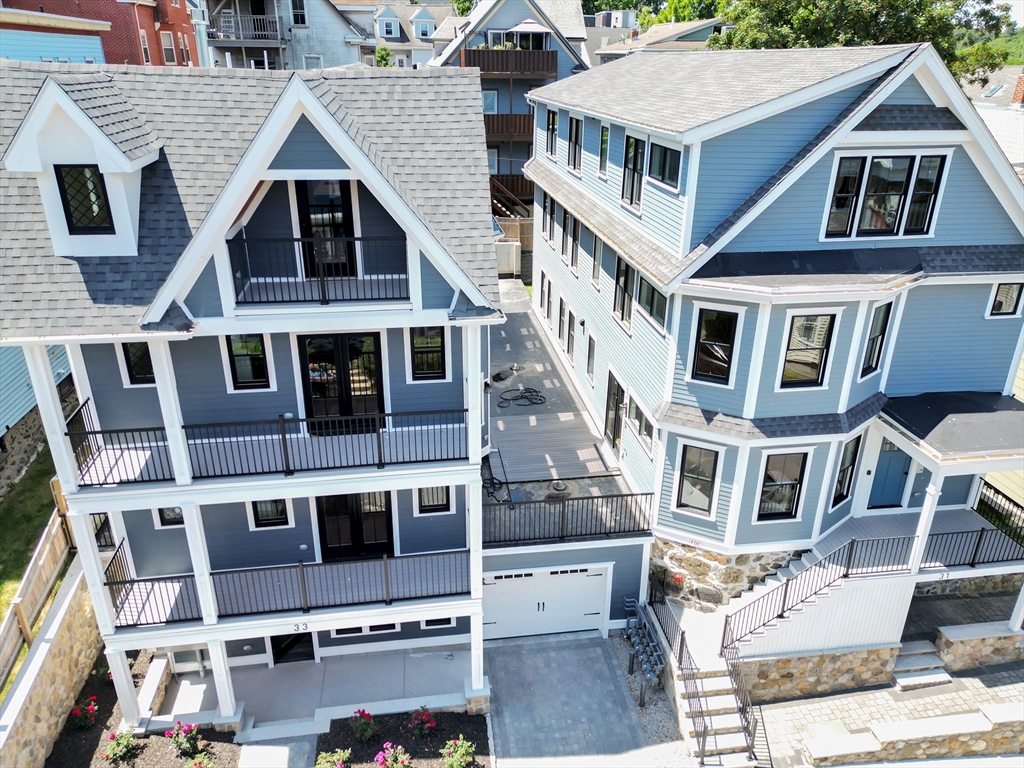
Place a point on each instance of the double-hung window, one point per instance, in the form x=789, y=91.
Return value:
x=570, y=338
x=562, y=310
x=1006, y=300
x=247, y=358
x=633, y=171
x=167, y=43
x=591, y=357
x=427, y=353
x=272, y=513
x=844, y=480
x=84, y=197
x=570, y=239
x=138, y=364
x=546, y=218
x=781, y=486
x=625, y=279
x=144, y=42
x=552, y=133
x=806, y=358
x=876, y=339
x=602, y=165
x=434, y=501
x=643, y=426
x=664, y=165
x=299, y=13
x=575, y=158
x=595, y=274
x=697, y=471
x=715, y=345
x=653, y=302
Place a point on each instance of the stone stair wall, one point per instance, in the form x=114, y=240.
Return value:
x=976, y=645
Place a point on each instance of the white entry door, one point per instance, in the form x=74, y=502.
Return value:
x=543, y=601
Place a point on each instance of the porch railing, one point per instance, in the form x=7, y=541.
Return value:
x=568, y=518
x=971, y=548
x=230, y=26
x=302, y=445
x=147, y=601
x=511, y=62
x=318, y=269
x=1004, y=513
x=111, y=456
x=666, y=616
x=102, y=531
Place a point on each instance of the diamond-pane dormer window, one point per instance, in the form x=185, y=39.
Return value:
x=84, y=197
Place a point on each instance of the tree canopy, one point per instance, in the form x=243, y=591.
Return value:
x=961, y=30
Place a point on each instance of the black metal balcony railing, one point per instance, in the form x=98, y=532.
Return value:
x=102, y=532
x=303, y=445
x=972, y=548
x=111, y=456
x=568, y=518
x=317, y=269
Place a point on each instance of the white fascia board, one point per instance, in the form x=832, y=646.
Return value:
x=270, y=321
x=798, y=294
x=709, y=436
x=264, y=488
x=99, y=338
x=22, y=155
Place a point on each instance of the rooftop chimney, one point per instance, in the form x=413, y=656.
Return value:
x=1018, y=92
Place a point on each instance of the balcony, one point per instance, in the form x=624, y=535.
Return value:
x=508, y=127
x=233, y=28
x=516, y=64
x=550, y=520
x=300, y=587
x=319, y=270
x=279, y=446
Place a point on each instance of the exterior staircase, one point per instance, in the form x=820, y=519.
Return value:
x=719, y=710
x=919, y=666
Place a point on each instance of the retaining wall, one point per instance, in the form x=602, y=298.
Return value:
x=976, y=645
x=982, y=585
x=791, y=677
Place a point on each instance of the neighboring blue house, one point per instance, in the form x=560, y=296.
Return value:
x=788, y=284
x=16, y=397
x=51, y=37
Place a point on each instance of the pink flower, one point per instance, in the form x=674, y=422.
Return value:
x=678, y=577
x=112, y=736
x=76, y=712
x=92, y=698
x=106, y=757
x=179, y=722
x=168, y=734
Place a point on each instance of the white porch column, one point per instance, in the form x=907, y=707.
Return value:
x=196, y=536
x=471, y=369
x=475, y=537
x=924, y=523
x=127, y=696
x=412, y=259
x=476, y=646
x=92, y=569
x=866, y=472
x=222, y=678
x=167, y=391
x=1017, y=616
x=52, y=416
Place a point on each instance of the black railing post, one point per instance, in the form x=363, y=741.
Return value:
x=321, y=276
x=302, y=587
x=563, y=508
x=849, y=557
x=380, y=440
x=284, y=445
x=785, y=598
x=977, y=548
x=387, y=581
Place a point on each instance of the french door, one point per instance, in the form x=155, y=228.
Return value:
x=342, y=376
x=614, y=407
x=355, y=526
x=325, y=213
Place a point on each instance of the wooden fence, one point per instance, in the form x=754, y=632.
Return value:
x=46, y=565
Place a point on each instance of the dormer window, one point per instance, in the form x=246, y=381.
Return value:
x=424, y=29
x=387, y=28
x=84, y=196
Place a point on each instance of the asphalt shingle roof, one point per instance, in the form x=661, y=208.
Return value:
x=206, y=119
x=658, y=33
x=910, y=117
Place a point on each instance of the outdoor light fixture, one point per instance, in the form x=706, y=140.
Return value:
x=487, y=387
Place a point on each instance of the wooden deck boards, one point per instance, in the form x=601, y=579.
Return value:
x=548, y=446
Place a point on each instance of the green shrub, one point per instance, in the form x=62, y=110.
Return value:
x=458, y=753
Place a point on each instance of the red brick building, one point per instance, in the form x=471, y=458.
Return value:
x=157, y=32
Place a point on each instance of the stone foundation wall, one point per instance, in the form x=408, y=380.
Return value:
x=24, y=441
x=72, y=650
x=968, y=653
x=705, y=579
x=793, y=677
x=984, y=585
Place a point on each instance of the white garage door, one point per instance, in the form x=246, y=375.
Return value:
x=543, y=601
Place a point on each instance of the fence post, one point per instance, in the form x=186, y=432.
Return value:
x=23, y=623
x=284, y=445
x=302, y=587
x=563, y=508
x=387, y=582
x=977, y=548
x=852, y=543
x=380, y=440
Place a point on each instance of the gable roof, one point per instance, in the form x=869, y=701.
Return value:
x=658, y=33
x=444, y=182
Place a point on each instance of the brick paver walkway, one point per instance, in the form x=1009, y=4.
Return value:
x=928, y=613
x=787, y=724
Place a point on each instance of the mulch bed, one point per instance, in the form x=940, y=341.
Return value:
x=78, y=748
x=425, y=752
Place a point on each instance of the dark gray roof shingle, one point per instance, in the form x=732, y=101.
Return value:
x=910, y=117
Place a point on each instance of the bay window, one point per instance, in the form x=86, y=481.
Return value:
x=781, y=486
x=810, y=337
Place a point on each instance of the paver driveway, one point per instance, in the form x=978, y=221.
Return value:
x=563, y=697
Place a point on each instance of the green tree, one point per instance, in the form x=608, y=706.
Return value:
x=463, y=7
x=960, y=30
x=384, y=56
x=689, y=10
x=645, y=19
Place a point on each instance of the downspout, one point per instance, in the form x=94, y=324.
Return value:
x=138, y=36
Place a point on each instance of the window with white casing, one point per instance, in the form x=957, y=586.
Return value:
x=1006, y=300
x=698, y=470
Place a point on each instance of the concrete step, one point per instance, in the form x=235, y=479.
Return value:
x=921, y=678
x=712, y=670
x=916, y=647
x=717, y=686
x=726, y=744
x=720, y=705
x=918, y=661
x=730, y=760
x=719, y=724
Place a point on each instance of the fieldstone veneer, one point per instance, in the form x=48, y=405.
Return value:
x=708, y=579
x=984, y=585
x=791, y=677
x=976, y=645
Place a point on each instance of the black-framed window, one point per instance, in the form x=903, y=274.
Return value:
x=434, y=500
x=547, y=216
x=633, y=171
x=138, y=363
x=602, y=163
x=575, y=156
x=570, y=338
x=299, y=13
x=844, y=197
x=625, y=279
x=428, y=353
x=643, y=426
x=543, y=290
x=653, y=301
x=570, y=238
x=697, y=471
x=1007, y=299
x=595, y=274
x=810, y=337
x=547, y=305
x=924, y=195
x=552, y=133
x=716, y=340
x=591, y=356
x=781, y=486
x=562, y=317
x=847, y=463
x=437, y=623
x=876, y=339
x=664, y=166
x=170, y=516
x=272, y=513
x=884, y=192
x=84, y=197
x=247, y=355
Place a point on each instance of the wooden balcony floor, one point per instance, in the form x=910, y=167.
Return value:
x=339, y=289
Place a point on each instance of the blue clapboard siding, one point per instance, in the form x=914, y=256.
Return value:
x=306, y=148
x=23, y=45
x=909, y=92
x=629, y=562
x=832, y=517
x=114, y=405
x=380, y=258
x=709, y=396
x=921, y=479
x=734, y=165
x=204, y=298
x=956, y=489
x=16, y=395
x=273, y=216
x=968, y=213
x=232, y=545
x=954, y=349
x=410, y=630
x=203, y=390
x=815, y=473
x=687, y=524
x=431, y=533
x=437, y=292
x=421, y=395
x=861, y=390
x=798, y=401
x=156, y=552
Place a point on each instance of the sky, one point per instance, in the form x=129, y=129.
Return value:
x=1018, y=11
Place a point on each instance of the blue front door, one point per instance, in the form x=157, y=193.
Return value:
x=890, y=477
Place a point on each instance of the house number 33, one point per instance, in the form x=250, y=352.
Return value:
x=301, y=627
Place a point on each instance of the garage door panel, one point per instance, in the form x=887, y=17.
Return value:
x=544, y=601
